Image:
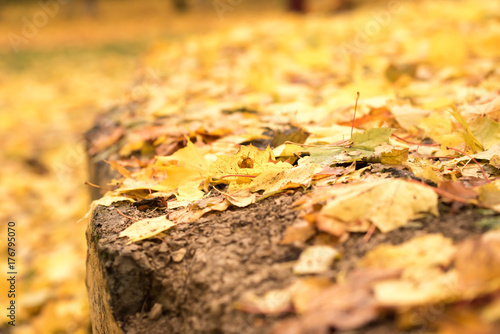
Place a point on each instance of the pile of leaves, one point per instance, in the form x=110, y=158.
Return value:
x=231, y=118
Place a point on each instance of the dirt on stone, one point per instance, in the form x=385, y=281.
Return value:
x=188, y=279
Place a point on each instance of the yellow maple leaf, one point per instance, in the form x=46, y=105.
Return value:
x=238, y=170
x=185, y=165
x=388, y=204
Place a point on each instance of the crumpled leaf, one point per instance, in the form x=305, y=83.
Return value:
x=315, y=260
x=240, y=197
x=387, y=204
x=198, y=209
x=146, y=228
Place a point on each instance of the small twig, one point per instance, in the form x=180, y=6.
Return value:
x=369, y=233
x=338, y=143
x=124, y=215
x=354, y=116
x=481, y=168
x=95, y=185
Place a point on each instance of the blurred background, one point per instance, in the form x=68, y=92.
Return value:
x=64, y=61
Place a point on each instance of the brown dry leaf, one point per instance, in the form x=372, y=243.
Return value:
x=198, y=209
x=146, y=228
x=298, y=232
x=388, y=204
x=458, y=190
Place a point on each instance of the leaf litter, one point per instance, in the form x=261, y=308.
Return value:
x=410, y=155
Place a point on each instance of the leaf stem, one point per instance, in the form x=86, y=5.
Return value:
x=124, y=215
x=369, y=233
x=354, y=116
